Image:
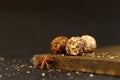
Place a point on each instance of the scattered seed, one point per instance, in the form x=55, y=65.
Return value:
x=68, y=74
x=98, y=56
x=91, y=75
x=6, y=68
x=30, y=66
x=63, y=55
x=50, y=70
x=43, y=74
x=59, y=70
x=28, y=72
x=22, y=65
x=111, y=57
x=13, y=66
x=77, y=72
x=18, y=69
x=1, y=75
x=2, y=58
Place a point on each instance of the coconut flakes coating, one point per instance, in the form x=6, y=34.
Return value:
x=91, y=43
x=75, y=46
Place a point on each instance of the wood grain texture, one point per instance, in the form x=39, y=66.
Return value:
x=102, y=61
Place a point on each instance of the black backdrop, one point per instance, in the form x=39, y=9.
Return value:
x=27, y=27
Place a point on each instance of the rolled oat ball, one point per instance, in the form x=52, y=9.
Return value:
x=91, y=43
x=58, y=45
x=75, y=46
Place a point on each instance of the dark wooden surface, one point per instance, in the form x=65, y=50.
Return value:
x=20, y=68
x=102, y=61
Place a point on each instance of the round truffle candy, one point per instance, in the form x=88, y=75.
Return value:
x=91, y=43
x=75, y=46
x=58, y=45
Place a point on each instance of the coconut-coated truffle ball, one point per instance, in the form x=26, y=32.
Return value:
x=58, y=45
x=75, y=46
x=91, y=43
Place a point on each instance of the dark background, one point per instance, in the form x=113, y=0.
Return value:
x=27, y=27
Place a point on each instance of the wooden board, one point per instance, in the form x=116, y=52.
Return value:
x=103, y=61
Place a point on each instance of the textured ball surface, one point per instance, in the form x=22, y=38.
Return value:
x=91, y=43
x=75, y=46
x=58, y=45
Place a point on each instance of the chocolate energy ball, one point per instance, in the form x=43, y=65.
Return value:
x=91, y=43
x=75, y=46
x=58, y=45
